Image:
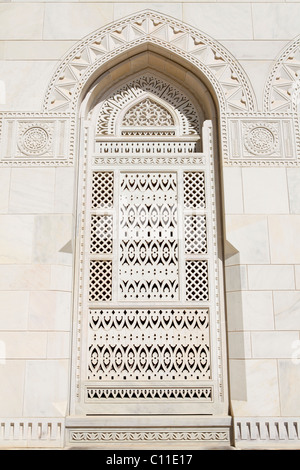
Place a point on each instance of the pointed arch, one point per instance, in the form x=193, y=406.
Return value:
x=282, y=86
x=185, y=117
x=218, y=67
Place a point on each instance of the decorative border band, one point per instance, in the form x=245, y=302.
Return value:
x=199, y=393
x=266, y=430
x=192, y=435
x=32, y=432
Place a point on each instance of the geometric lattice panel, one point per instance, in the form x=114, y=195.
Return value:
x=197, y=280
x=100, y=283
x=101, y=234
x=194, y=190
x=195, y=234
x=148, y=264
x=102, y=189
x=149, y=344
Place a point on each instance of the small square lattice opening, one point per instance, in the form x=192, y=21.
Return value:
x=197, y=280
x=102, y=189
x=101, y=234
x=194, y=189
x=100, y=287
x=195, y=234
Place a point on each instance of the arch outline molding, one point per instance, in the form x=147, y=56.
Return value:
x=230, y=83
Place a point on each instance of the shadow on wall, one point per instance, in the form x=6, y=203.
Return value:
x=235, y=326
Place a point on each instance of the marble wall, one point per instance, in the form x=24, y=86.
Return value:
x=262, y=290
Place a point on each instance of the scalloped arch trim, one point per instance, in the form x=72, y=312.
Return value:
x=283, y=84
x=226, y=76
x=183, y=117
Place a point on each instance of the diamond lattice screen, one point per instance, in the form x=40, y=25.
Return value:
x=155, y=255
x=148, y=265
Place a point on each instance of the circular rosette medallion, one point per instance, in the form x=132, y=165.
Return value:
x=34, y=140
x=261, y=139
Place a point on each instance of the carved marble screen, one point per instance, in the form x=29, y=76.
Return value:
x=150, y=335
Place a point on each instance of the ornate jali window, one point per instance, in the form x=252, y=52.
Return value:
x=150, y=336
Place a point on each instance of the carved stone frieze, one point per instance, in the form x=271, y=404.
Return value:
x=261, y=139
x=146, y=116
x=161, y=393
x=90, y=435
x=36, y=139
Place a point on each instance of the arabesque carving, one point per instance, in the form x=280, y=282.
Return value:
x=229, y=81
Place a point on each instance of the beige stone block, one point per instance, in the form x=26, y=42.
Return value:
x=4, y=189
x=61, y=278
x=82, y=19
x=273, y=344
x=52, y=239
x=14, y=310
x=293, y=178
x=24, y=345
x=36, y=50
x=271, y=277
x=254, y=50
x=248, y=235
x=287, y=310
x=250, y=310
x=120, y=72
x=124, y=9
x=258, y=73
x=236, y=278
x=284, y=238
x=16, y=238
x=234, y=308
x=49, y=310
x=233, y=190
x=21, y=21
x=297, y=277
x=2, y=50
x=25, y=83
x=239, y=345
x=275, y=20
x=254, y=387
x=58, y=345
x=64, y=190
x=32, y=190
x=12, y=388
x=46, y=388
x=289, y=380
x=24, y=277
x=220, y=20
x=265, y=191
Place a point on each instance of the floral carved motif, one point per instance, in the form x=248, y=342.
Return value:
x=147, y=113
x=34, y=139
x=261, y=139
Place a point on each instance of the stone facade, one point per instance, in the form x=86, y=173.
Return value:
x=239, y=63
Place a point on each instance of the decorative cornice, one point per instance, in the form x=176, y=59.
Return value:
x=32, y=432
x=266, y=431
